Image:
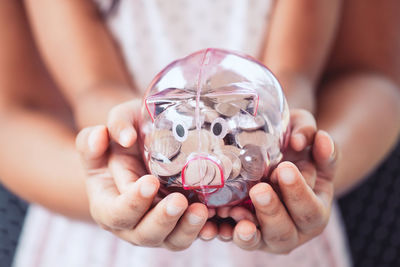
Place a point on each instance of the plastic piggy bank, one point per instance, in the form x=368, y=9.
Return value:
x=213, y=125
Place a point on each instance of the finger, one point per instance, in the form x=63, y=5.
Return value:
x=303, y=129
x=241, y=213
x=188, y=228
x=325, y=192
x=158, y=223
x=307, y=210
x=209, y=231
x=92, y=143
x=211, y=213
x=308, y=171
x=120, y=211
x=325, y=154
x=121, y=121
x=223, y=212
x=125, y=169
x=277, y=227
x=246, y=235
x=225, y=232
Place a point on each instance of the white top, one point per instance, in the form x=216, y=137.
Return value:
x=50, y=240
x=152, y=33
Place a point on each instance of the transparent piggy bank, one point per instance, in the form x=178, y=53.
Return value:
x=213, y=124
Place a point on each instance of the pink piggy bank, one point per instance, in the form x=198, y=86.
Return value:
x=213, y=124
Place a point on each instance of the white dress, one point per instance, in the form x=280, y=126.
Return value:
x=150, y=34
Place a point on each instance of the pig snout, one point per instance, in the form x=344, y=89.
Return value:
x=202, y=171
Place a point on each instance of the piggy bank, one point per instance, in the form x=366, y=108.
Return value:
x=213, y=124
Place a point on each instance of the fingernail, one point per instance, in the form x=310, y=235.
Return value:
x=332, y=147
x=172, y=209
x=331, y=143
x=225, y=237
x=92, y=140
x=287, y=175
x=125, y=137
x=206, y=238
x=247, y=237
x=147, y=189
x=194, y=219
x=263, y=198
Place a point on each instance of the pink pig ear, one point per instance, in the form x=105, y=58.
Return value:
x=157, y=103
x=156, y=107
x=239, y=95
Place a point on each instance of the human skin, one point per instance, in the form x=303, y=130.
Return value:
x=42, y=173
x=357, y=99
x=37, y=135
x=362, y=70
x=361, y=66
x=298, y=44
x=364, y=66
x=51, y=40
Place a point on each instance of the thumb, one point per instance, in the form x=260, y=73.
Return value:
x=92, y=144
x=121, y=122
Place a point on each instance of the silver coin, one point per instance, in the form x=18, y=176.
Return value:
x=201, y=141
x=236, y=165
x=217, y=180
x=258, y=138
x=193, y=171
x=227, y=109
x=162, y=142
x=196, y=141
x=242, y=104
x=234, y=149
x=199, y=172
x=226, y=165
x=248, y=122
x=162, y=123
x=235, y=162
x=223, y=77
x=253, y=164
x=274, y=150
x=218, y=198
x=215, y=142
x=185, y=108
x=239, y=188
x=210, y=114
x=168, y=168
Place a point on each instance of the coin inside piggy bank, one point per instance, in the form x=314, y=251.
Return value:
x=213, y=124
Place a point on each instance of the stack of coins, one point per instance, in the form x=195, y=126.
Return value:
x=236, y=147
x=213, y=124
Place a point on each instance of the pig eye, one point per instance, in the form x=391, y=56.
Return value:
x=180, y=131
x=219, y=127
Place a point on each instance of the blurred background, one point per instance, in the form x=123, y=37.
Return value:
x=370, y=213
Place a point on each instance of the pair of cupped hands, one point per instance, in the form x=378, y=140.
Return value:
x=292, y=208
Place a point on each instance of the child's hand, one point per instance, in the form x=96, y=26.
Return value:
x=122, y=198
x=299, y=207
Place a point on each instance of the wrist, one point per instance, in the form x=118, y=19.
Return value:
x=298, y=89
x=92, y=106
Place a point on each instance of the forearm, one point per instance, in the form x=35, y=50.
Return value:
x=39, y=162
x=82, y=56
x=361, y=110
x=299, y=41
